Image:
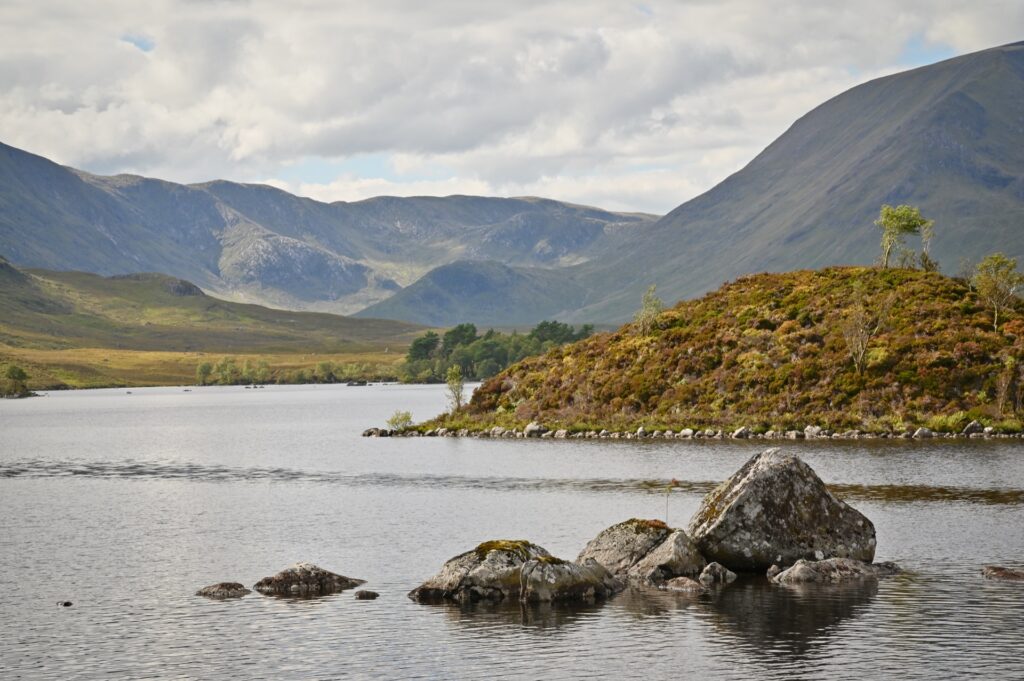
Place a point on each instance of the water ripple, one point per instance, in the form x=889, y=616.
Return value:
x=176, y=470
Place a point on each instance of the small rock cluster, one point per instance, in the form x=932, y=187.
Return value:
x=299, y=580
x=974, y=430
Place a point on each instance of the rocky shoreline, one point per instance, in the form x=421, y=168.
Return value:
x=973, y=430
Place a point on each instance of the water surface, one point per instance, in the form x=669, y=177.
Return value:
x=125, y=504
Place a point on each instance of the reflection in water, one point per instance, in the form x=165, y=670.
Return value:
x=781, y=620
x=178, y=470
x=538, y=616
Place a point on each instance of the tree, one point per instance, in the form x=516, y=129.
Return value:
x=861, y=324
x=996, y=280
x=14, y=383
x=456, y=387
x=650, y=307
x=423, y=347
x=463, y=334
x=400, y=420
x=16, y=373
x=896, y=223
x=203, y=372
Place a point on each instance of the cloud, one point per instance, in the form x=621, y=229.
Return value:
x=621, y=105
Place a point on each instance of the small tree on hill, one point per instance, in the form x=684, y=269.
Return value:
x=456, y=387
x=650, y=307
x=400, y=420
x=861, y=325
x=203, y=372
x=896, y=223
x=997, y=280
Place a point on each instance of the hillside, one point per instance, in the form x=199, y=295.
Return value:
x=486, y=292
x=769, y=352
x=254, y=243
x=81, y=320
x=948, y=138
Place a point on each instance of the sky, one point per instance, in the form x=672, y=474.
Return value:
x=633, y=106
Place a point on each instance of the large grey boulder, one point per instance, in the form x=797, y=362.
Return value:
x=621, y=546
x=223, y=590
x=550, y=579
x=534, y=429
x=676, y=556
x=716, y=573
x=490, y=572
x=305, y=579
x=832, y=570
x=776, y=510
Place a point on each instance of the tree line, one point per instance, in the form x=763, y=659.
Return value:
x=478, y=357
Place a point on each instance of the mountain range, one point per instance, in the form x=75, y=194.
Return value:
x=948, y=138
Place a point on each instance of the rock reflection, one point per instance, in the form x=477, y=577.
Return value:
x=788, y=620
x=533, y=616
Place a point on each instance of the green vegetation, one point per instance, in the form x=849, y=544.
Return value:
x=431, y=356
x=400, y=420
x=896, y=224
x=456, y=387
x=780, y=351
x=996, y=280
x=647, y=316
x=72, y=329
x=14, y=382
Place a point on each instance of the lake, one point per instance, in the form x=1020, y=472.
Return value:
x=126, y=504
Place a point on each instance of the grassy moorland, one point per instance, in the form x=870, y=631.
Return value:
x=73, y=329
x=843, y=348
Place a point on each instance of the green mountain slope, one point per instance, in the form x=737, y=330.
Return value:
x=773, y=351
x=486, y=293
x=154, y=312
x=948, y=138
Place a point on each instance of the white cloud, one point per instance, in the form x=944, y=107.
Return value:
x=605, y=103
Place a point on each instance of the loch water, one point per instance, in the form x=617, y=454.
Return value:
x=126, y=503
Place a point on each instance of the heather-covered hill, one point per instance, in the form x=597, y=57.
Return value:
x=775, y=351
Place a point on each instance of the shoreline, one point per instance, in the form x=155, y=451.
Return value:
x=974, y=431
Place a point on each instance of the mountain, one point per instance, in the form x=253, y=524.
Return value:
x=948, y=138
x=780, y=351
x=255, y=243
x=155, y=312
x=487, y=293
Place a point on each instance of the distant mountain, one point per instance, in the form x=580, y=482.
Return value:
x=485, y=292
x=260, y=244
x=948, y=138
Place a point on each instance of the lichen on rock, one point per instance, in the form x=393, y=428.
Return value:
x=776, y=510
x=305, y=580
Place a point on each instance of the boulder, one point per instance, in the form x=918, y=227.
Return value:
x=972, y=428
x=676, y=556
x=773, y=571
x=1002, y=573
x=497, y=431
x=832, y=570
x=223, y=590
x=776, y=510
x=641, y=432
x=364, y=595
x=716, y=573
x=561, y=434
x=490, y=572
x=534, y=429
x=305, y=579
x=812, y=431
x=923, y=434
x=742, y=433
x=687, y=584
x=548, y=579
x=686, y=433
x=622, y=546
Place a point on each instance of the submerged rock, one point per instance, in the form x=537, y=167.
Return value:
x=833, y=570
x=1002, y=573
x=223, y=590
x=489, y=572
x=620, y=547
x=364, y=595
x=776, y=510
x=676, y=556
x=550, y=579
x=305, y=579
x=687, y=584
x=716, y=573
